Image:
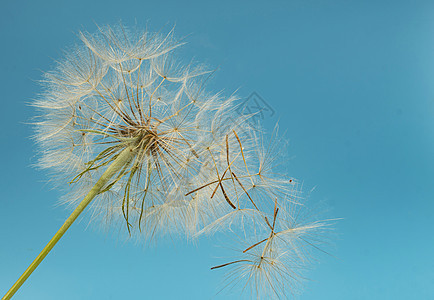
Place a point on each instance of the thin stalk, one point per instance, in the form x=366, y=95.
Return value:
x=123, y=158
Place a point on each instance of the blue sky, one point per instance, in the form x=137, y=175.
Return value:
x=351, y=83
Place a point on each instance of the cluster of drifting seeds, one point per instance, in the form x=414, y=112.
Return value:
x=195, y=166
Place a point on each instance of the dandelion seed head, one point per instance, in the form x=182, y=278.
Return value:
x=197, y=167
x=123, y=86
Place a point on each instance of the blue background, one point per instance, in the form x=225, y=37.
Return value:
x=352, y=83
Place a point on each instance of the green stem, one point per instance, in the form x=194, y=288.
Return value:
x=123, y=158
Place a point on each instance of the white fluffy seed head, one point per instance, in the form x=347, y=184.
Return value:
x=199, y=166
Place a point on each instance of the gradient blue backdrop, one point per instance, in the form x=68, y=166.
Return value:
x=352, y=82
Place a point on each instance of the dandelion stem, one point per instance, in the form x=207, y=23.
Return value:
x=123, y=158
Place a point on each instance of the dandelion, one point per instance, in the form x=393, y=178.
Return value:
x=133, y=134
